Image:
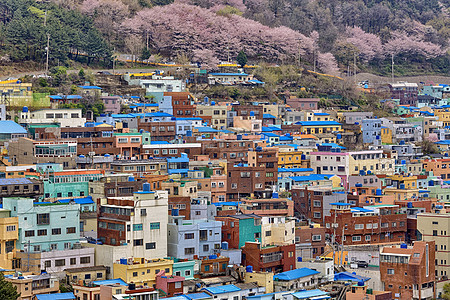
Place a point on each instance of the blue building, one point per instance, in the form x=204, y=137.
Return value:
x=371, y=129
x=45, y=226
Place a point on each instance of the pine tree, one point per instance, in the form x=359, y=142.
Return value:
x=242, y=58
x=7, y=290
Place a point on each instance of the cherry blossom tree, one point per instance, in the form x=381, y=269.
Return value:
x=368, y=44
x=206, y=58
x=185, y=28
x=327, y=63
x=403, y=43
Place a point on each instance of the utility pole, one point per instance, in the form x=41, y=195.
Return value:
x=48, y=50
x=392, y=57
x=28, y=255
x=354, y=66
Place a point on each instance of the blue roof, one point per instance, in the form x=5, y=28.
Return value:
x=228, y=203
x=334, y=145
x=189, y=119
x=268, y=116
x=311, y=177
x=8, y=181
x=443, y=142
x=195, y=296
x=143, y=105
x=222, y=289
x=90, y=87
x=159, y=143
x=69, y=97
x=295, y=274
x=110, y=281
x=270, y=134
x=340, y=204
x=59, y=296
x=310, y=294
x=206, y=129
x=121, y=116
x=256, y=81
x=317, y=123
x=347, y=276
x=11, y=127
x=228, y=74
x=286, y=138
x=85, y=200
x=281, y=170
x=321, y=114
x=360, y=209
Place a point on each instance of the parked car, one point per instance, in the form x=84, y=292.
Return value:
x=361, y=264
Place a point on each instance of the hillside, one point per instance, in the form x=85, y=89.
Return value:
x=333, y=35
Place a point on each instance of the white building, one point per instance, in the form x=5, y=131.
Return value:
x=158, y=83
x=64, y=117
x=277, y=230
x=187, y=238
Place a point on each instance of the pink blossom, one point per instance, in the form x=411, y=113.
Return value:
x=368, y=44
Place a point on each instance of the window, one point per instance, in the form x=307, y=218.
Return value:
x=60, y=262
x=11, y=228
x=48, y=263
x=316, y=237
x=135, y=140
x=368, y=237
x=187, y=273
x=390, y=271
x=188, y=251
x=37, y=248
x=155, y=225
x=73, y=261
x=85, y=260
x=188, y=236
x=149, y=246
x=43, y=219
x=143, y=212
x=135, y=274
x=359, y=226
x=317, y=215
x=29, y=233
x=356, y=238
x=138, y=242
x=137, y=227
x=317, y=203
x=435, y=233
x=268, y=233
x=71, y=230
x=87, y=276
x=123, y=140
x=205, y=248
x=42, y=232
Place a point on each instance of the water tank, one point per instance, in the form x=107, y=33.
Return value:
x=123, y=261
x=224, y=245
x=249, y=269
x=206, y=99
x=213, y=256
x=239, y=137
x=404, y=246
x=439, y=207
x=369, y=172
x=252, y=113
x=431, y=183
x=446, y=154
x=213, y=103
x=303, y=157
x=107, y=155
x=339, y=136
x=146, y=187
x=130, y=178
x=82, y=156
x=299, y=259
x=131, y=286
x=175, y=212
x=403, y=162
x=362, y=172
x=275, y=195
x=358, y=185
x=402, y=186
x=379, y=192
x=25, y=109
x=361, y=283
x=409, y=205
x=356, y=123
x=102, y=115
x=402, y=142
x=377, y=137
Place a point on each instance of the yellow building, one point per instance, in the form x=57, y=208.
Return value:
x=436, y=227
x=217, y=114
x=319, y=127
x=289, y=157
x=271, y=109
x=74, y=275
x=29, y=286
x=407, y=182
x=142, y=271
x=17, y=94
x=9, y=233
x=386, y=135
x=443, y=116
x=402, y=194
x=264, y=279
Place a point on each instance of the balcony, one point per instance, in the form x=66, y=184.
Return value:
x=425, y=293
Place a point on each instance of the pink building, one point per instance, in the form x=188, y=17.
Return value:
x=112, y=104
x=302, y=103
